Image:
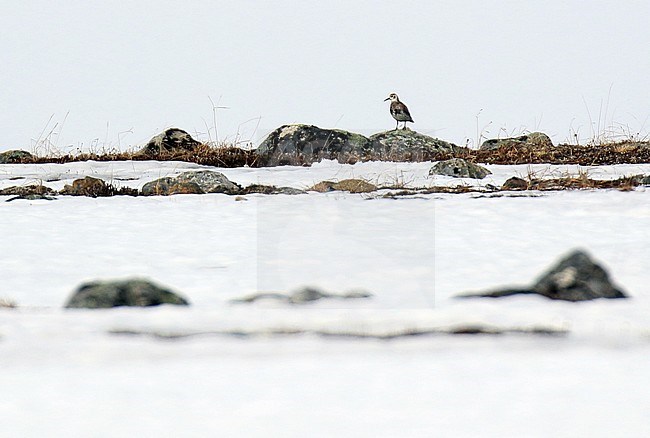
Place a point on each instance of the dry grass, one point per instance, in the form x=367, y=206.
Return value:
x=625, y=152
x=204, y=154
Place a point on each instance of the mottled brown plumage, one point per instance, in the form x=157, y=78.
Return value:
x=398, y=110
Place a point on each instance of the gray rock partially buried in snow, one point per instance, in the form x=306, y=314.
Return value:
x=204, y=181
x=134, y=292
x=576, y=277
x=459, y=168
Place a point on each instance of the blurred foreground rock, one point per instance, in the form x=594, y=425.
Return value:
x=576, y=277
x=302, y=296
x=134, y=292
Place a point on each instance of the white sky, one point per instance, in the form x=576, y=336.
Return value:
x=145, y=65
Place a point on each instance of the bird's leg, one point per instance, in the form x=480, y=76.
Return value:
x=396, y=125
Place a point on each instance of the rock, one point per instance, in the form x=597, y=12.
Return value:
x=407, y=145
x=169, y=142
x=158, y=186
x=349, y=185
x=29, y=190
x=459, y=168
x=303, y=295
x=15, y=157
x=271, y=190
x=515, y=183
x=87, y=186
x=204, y=181
x=210, y=181
x=185, y=188
x=134, y=292
x=534, y=139
x=32, y=197
x=305, y=144
x=289, y=191
x=575, y=277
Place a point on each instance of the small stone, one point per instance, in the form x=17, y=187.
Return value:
x=515, y=183
x=459, y=168
x=87, y=186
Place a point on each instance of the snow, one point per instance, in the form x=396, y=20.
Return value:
x=65, y=374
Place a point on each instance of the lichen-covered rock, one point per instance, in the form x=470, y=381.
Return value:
x=15, y=157
x=534, y=139
x=170, y=141
x=459, y=168
x=87, y=186
x=306, y=144
x=348, y=185
x=191, y=182
x=135, y=292
x=407, y=145
x=576, y=277
x=210, y=181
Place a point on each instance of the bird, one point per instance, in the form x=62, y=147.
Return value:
x=398, y=110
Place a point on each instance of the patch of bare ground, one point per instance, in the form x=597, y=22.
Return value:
x=228, y=156
x=624, y=152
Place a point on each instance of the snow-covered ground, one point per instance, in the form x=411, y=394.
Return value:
x=64, y=374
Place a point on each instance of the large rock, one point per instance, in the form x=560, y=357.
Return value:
x=407, y=145
x=576, y=277
x=534, y=140
x=459, y=168
x=135, y=292
x=204, y=181
x=15, y=157
x=306, y=144
x=172, y=141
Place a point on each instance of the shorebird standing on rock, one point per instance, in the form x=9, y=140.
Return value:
x=399, y=111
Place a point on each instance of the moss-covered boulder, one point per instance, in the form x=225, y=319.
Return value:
x=459, y=168
x=15, y=157
x=134, y=292
x=532, y=140
x=305, y=144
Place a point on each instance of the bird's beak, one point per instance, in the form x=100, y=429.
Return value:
x=386, y=99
